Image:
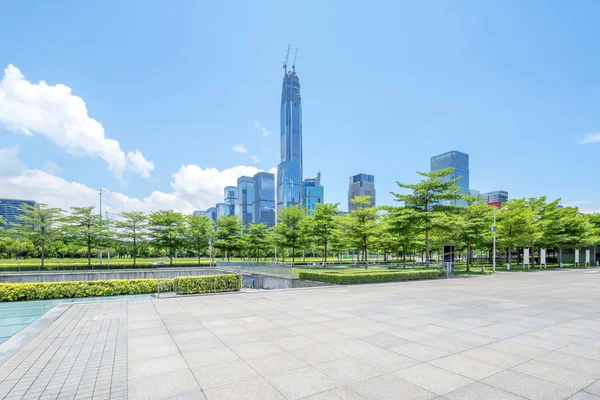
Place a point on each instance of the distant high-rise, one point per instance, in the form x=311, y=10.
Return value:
x=264, y=199
x=313, y=194
x=230, y=198
x=361, y=185
x=245, y=208
x=211, y=213
x=289, y=170
x=496, y=198
x=460, y=162
x=10, y=210
x=223, y=210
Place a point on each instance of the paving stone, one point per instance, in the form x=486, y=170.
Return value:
x=465, y=366
x=556, y=374
x=275, y=363
x=390, y=387
x=481, y=391
x=223, y=374
x=293, y=387
x=433, y=379
x=420, y=351
x=529, y=387
x=254, y=389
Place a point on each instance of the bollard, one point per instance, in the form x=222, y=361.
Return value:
x=483, y=268
x=508, y=267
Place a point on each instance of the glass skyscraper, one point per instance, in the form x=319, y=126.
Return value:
x=10, y=209
x=361, y=185
x=245, y=207
x=230, y=198
x=460, y=162
x=223, y=210
x=313, y=194
x=264, y=199
x=289, y=171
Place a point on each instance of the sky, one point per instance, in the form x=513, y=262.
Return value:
x=165, y=103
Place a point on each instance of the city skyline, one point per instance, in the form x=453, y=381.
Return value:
x=164, y=127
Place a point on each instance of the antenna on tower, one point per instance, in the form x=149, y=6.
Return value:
x=286, y=59
x=294, y=64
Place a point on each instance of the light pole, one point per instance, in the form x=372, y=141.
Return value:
x=274, y=245
x=494, y=250
x=107, y=247
x=100, y=250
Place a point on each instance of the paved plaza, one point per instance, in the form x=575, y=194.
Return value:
x=508, y=336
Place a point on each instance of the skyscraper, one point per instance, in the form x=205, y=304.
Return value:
x=460, y=162
x=264, y=199
x=223, y=210
x=361, y=185
x=313, y=194
x=230, y=198
x=10, y=209
x=289, y=170
x=244, y=209
x=496, y=198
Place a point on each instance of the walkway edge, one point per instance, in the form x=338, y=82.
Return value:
x=20, y=339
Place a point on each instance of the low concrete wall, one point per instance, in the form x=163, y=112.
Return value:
x=275, y=282
x=105, y=275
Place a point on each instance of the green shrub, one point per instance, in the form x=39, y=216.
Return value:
x=69, y=290
x=207, y=284
x=352, y=278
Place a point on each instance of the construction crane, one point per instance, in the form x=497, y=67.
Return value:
x=286, y=59
x=294, y=64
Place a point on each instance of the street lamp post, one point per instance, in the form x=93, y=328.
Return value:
x=107, y=247
x=274, y=245
x=494, y=250
x=100, y=250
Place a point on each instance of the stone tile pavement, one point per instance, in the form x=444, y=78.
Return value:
x=507, y=336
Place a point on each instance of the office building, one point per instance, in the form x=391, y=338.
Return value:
x=313, y=194
x=460, y=162
x=289, y=170
x=264, y=199
x=223, y=210
x=496, y=198
x=211, y=213
x=361, y=185
x=245, y=208
x=10, y=209
x=230, y=198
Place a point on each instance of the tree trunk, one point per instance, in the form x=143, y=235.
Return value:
x=560, y=256
x=532, y=255
x=468, y=257
x=509, y=255
x=404, y=255
x=427, y=248
x=198, y=254
x=89, y=251
x=171, y=254
x=134, y=251
x=325, y=251
x=293, y=256
x=43, y=248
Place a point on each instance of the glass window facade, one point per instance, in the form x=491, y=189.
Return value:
x=361, y=185
x=289, y=171
x=231, y=198
x=460, y=162
x=223, y=210
x=313, y=194
x=10, y=209
x=497, y=197
x=264, y=199
x=245, y=207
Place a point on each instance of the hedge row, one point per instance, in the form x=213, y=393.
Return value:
x=69, y=290
x=368, y=276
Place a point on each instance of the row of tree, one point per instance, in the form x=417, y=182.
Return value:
x=426, y=217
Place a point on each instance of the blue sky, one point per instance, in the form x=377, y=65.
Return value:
x=385, y=86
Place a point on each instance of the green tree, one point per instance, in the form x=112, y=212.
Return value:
x=38, y=224
x=474, y=226
x=428, y=199
x=567, y=227
x=228, y=237
x=166, y=229
x=361, y=225
x=291, y=229
x=257, y=240
x=322, y=224
x=516, y=225
x=199, y=231
x=400, y=223
x=338, y=241
x=83, y=228
x=132, y=226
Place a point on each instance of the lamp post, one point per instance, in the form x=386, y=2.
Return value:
x=494, y=250
x=274, y=245
x=107, y=247
x=100, y=250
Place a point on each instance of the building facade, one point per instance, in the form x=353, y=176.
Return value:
x=361, y=185
x=314, y=194
x=245, y=207
x=264, y=199
x=496, y=198
x=460, y=162
x=223, y=210
x=289, y=170
x=10, y=210
x=230, y=196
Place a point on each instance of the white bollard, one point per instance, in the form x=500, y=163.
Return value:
x=508, y=267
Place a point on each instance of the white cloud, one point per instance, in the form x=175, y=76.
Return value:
x=254, y=159
x=590, y=138
x=52, y=168
x=54, y=112
x=240, y=148
x=264, y=131
x=193, y=188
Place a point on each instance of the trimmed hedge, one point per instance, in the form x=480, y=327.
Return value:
x=204, y=284
x=368, y=276
x=116, y=287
